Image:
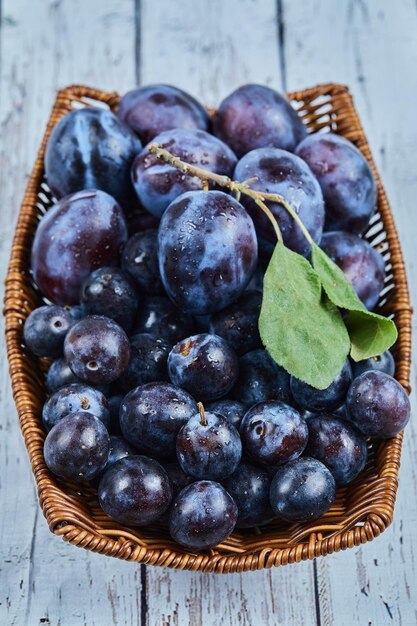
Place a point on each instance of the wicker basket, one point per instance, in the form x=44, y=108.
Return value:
x=361, y=511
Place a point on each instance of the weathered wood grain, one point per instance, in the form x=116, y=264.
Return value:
x=371, y=46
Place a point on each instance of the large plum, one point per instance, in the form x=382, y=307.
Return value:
x=207, y=251
x=80, y=233
x=91, y=148
x=157, y=184
x=277, y=171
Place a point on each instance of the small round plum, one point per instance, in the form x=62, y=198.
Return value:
x=208, y=446
x=303, y=490
x=152, y=109
x=119, y=449
x=77, y=447
x=280, y=172
x=75, y=398
x=232, y=410
x=338, y=445
x=114, y=409
x=378, y=405
x=255, y=116
x=179, y=479
x=382, y=363
x=140, y=261
x=238, y=323
x=59, y=374
x=157, y=183
x=332, y=397
x=97, y=350
x=148, y=362
x=205, y=365
x=249, y=487
x=261, y=379
x=346, y=179
x=45, y=329
x=273, y=433
x=203, y=515
x=158, y=316
x=207, y=251
x=151, y=416
x=363, y=266
x=135, y=491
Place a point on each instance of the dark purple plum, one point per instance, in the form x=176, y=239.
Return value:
x=76, y=312
x=78, y=234
x=207, y=251
x=140, y=220
x=208, y=446
x=119, y=449
x=255, y=116
x=303, y=490
x=59, y=374
x=135, y=490
x=45, y=329
x=140, y=261
x=148, y=362
x=77, y=447
x=179, y=479
x=91, y=148
x=114, y=409
x=281, y=172
x=108, y=291
x=346, y=180
x=203, y=515
x=312, y=399
x=363, y=266
x=238, y=323
x=249, y=487
x=232, y=410
x=339, y=446
x=157, y=183
x=97, y=350
x=158, y=316
x=378, y=405
x=151, y=416
x=273, y=433
x=75, y=398
x=205, y=365
x=382, y=363
x=261, y=379
x=152, y=109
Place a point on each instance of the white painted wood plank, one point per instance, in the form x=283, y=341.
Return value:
x=372, y=47
x=45, y=45
x=209, y=49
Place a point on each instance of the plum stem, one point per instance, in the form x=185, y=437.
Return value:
x=203, y=418
x=236, y=187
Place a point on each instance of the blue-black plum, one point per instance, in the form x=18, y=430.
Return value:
x=45, y=329
x=140, y=261
x=208, y=446
x=158, y=316
x=207, y=251
x=59, y=374
x=157, y=183
x=179, y=479
x=148, y=361
x=203, y=515
x=78, y=234
x=255, y=116
x=261, y=379
x=249, y=487
x=338, y=445
x=97, y=350
x=135, y=490
x=75, y=398
x=332, y=397
x=363, y=266
x=114, y=408
x=108, y=291
x=382, y=363
x=378, y=405
x=346, y=179
x=77, y=447
x=151, y=416
x=91, y=148
x=205, y=365
x=280, y=172
x=152, y=109
x=232, y=410
x=273, y=433
x=238, y=323
x=119, y=449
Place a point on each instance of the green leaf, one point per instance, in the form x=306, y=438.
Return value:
x=299, y=326
x=370, y=333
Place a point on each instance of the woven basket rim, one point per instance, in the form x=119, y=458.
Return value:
x=63, y=511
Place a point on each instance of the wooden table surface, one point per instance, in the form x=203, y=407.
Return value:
x=208, y=47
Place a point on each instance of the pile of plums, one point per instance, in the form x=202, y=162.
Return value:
x=159, y=390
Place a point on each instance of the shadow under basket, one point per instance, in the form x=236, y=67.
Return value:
x=361, y=511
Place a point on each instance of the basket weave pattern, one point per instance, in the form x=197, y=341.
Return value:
x=361, y=511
